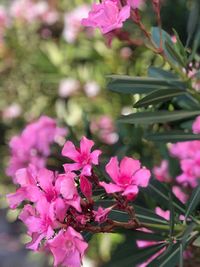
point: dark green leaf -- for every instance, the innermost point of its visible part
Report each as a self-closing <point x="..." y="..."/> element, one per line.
<point x="140" y="85"/>
<point x="193" y="20"/>
<point x="174" y="54"/>
<point x="161" y="74"/>
<point x="159" y="96"/>
<point x="157" y="116"/>
<point x="172" y="137"/>
<point x="160" y="192"/>
<point x="171" y="208"/>
<point x="148" y="216"/>
<point x="193" y="202"/>
<point x="168" y="258"/>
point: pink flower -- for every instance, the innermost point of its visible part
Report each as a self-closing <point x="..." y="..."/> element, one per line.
<point x="196" y="125"/>
<point x="72" y="23"/>
<point x="107" y="16"/>
<point x="28" y="190"/>
<point x="68" y="87"/>
<point x="179" y="194"/>
<point x="83" y="157"/>
<point x="162" y="172"/>
<point x="101" y="214"/>
<point x="33" y="146"/>
<point x="127" y="177"/>
<point x="105" y="129"/>
<point x="162" y="213"/>
<point x="40" y="222"/>
<point x="65" y="185"/>
<point x="68" y="248"/>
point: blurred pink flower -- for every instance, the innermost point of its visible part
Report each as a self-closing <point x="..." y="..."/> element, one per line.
<point x="91" y="89"/>
<point x="34" y="144"/>
<point x="162" y="172"/>
<point x="179" y="194"/>
<point x="107" y="16"/>
<point x="127" y="177"/>
<point x="83" y="157"/>
<point x="196" y="126"/>
<point x="72" y="23"/>
<point x="105" y="129"/>
<point x="68" y="87"/>
<point x="11" y="112"/>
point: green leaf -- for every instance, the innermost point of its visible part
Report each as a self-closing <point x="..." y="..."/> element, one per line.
<point x="161" y="74"/>
<point x="168" y="258"/>
<point x="171" y="221"/>
<point x="193" y="20"/>
<point x="157" y="116"/>
<point x="193" y="202"/>
<point x="172" y="137"/>
<point x="144" y="236"/>
<point x="148" y="216"/>
<point x="155" y="31"/>
<point x="160" y="193"/>
<point x="135" y="256"/>
<point x="87" y="236"/>
<point x="140" y="85"/>
<point x="174" y="54"/>
<point x="159" y="96"/>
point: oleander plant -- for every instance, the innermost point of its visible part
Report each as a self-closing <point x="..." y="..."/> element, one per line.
<point x="118" y="159"/>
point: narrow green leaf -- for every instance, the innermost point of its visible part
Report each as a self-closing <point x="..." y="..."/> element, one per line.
<point x="193" y="201"/>
<point x="171" y="208"/>
<point x="157" y="116"/>
<point x="174" y="54"/>
<point x="148" y="216"/>
<point x="141" y="85"/>
<point x="172" y="137"/>
<point x="159" y="96"/>
<point x="160" y="192"/>
<point x="168" y="258"/>
<point x="193" y="20"/>
<point x="160" y="73"/>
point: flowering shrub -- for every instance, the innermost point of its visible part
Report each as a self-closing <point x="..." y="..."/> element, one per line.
<point x="61" y="206"/>
<point x="108" y="190"/>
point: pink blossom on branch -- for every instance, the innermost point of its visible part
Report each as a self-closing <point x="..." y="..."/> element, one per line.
<point x="127" y="177"/>
<point x="83" y="157"/>
<point x="107" y="16"/>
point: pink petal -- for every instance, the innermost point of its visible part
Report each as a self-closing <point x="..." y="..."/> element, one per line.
<point x="86" y="187"/>
<point x="112" y="168"/>
<point x="95" y="156"/>
<point x="87" y="170"/>
<point x="131" y="192"/>
<point x="68" y="167"/>
<point x="141" y="177"/>
<point x="111" y="188"/>
<point x="129" y="166"/>
<point x="69" y="151"/>
<point x="86" y="145"/>
<point x="45" y="179"/>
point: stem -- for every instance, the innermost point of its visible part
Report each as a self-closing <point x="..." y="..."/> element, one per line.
<point x="177" y="228"/>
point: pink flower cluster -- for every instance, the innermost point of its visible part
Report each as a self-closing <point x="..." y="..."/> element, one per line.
<point x="33" y="145"/>
<point x="110" y="15"/>
<point x="59" y="206"/>
<point x="31" y="11"/>
<point x="189" y="155"/>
